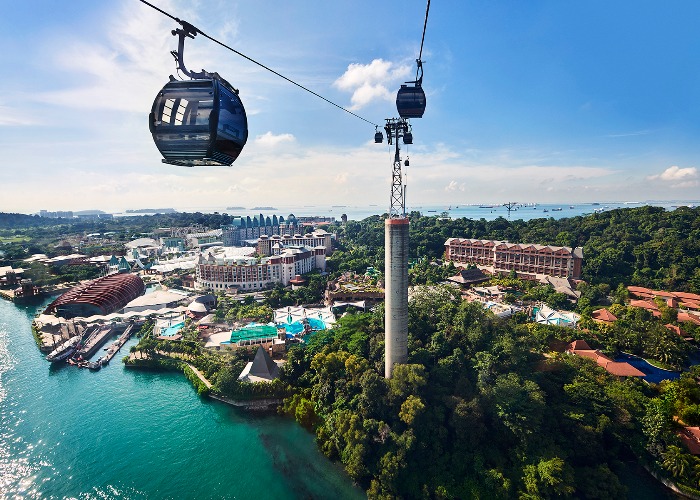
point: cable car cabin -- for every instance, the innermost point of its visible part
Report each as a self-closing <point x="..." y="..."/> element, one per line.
<point x="198" y="123"/>
<point x="410" y="101"/>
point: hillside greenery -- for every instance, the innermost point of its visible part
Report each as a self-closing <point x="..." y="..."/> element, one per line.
<point x="478" y="412"/>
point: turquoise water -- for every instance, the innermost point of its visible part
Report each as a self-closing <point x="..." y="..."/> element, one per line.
<point x="117" y="433"/>
<point x="298" y="327"/>
<point x="173" y="329"/>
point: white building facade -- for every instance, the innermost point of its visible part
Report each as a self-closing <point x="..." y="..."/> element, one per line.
<point x="250" y="274"/>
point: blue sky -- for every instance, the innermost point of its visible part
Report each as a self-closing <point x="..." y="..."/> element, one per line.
<point x="545" y="101"/>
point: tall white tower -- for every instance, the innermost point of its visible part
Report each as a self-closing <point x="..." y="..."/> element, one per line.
<point x="396" y="257"/>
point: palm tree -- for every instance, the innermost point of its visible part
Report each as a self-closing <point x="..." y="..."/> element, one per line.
<point x="676" y="461"/>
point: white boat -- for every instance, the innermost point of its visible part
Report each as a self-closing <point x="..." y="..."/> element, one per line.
<point x="64" y="350"/>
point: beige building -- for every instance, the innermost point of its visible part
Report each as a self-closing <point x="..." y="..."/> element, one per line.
<point x="528" y="260"/>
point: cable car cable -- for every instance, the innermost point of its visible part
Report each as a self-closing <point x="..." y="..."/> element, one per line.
<point x="425" y="24"/>
<point x="197" y="30"/>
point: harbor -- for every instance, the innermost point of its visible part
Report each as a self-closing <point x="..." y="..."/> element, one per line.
<point x="83" y="342"/>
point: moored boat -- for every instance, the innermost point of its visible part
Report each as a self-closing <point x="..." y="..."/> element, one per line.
<point x="64" y="350"/>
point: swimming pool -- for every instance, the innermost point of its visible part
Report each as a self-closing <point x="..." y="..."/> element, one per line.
<point x="172" y="329"/>
<point x="651" y="373"/>
<point x="297" y="327"/>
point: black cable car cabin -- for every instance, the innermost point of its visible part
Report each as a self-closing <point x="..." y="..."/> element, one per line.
<point x="199" y="122"/>
<point x="410" y="101"/>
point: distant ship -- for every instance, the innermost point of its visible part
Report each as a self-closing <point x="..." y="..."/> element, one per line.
<point x="264" y="208"/>
<point x="486" y="206"/>
<point x="64" y="350"/>
<point x="571" y="206"/>
<point x="235" y="208"/>
<point x="556" y="210"/>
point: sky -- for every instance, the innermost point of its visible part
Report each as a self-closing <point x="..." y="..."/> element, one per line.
<point x="538" y="101"/>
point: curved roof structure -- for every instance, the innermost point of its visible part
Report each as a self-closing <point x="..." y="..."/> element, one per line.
<point x="98" y="297"/>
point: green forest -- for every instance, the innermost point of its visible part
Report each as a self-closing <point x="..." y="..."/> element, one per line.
<point x="644" y="246"/>
<point x="478" y="412"/>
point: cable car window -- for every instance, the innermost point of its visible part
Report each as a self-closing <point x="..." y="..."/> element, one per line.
<point x="186" y="107"/>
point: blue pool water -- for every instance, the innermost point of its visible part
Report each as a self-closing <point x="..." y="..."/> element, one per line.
<point x="298" y="326"/>
<point x="172" y="329"/>
<point x="652" y="373"/>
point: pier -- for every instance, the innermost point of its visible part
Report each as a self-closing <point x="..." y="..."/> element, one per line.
<point x="114" y="348"/>
<point x="94" y="341"/>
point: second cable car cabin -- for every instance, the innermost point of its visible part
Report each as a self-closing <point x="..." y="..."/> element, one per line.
<point x="199" y="123"/>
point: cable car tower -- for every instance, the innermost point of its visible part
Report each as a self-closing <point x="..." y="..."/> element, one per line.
<point x="410" y="103"/>
<point x="396" y="253"/>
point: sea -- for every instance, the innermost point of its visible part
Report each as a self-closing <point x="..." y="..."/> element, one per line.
<point x="524" y="211"/>
<point x="121" y="433"/>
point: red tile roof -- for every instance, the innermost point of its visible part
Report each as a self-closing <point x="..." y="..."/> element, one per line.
<point x="603" y="315"/>
<point x="691" y="304"/>
<point x="622" y="369"/>
<point x="684" y="316"/>
<point x="690" y="437"/>
<point x="675" y="329"/>
<point x="646" y="304"/>
<point x="619" y="369"/>
<point x="687" y="296"/>
<point x="639" y="289"/>
<point x="579" y="345"/>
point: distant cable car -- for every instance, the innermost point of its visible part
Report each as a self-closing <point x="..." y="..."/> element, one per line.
<point x="410" y="100"/>
<point x="378" y="136"/>
<point x="407" y="138"/>
<point x="198" y="122"/>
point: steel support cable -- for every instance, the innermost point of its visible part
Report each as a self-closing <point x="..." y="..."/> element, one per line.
<point x="425" y="24"/>
<point x="258" y="63"/>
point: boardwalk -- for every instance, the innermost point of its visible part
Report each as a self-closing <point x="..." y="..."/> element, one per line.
<point x="200" y="375"/>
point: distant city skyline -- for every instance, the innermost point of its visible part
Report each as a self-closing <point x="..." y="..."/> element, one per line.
<point x="542" y="102"/>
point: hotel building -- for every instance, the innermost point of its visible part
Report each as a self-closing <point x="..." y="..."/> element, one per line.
<point x="274" y="245"/>
<point x="249" y="274"/>
<point x="245" y="228"/>
<point x="528" y="260"/>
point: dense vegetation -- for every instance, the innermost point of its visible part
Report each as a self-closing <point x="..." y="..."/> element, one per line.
<point x="478" y="412"/>
<point x="645" y="246"/>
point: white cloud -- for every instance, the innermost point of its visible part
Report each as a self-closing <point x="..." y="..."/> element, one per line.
<point x="455" y="186"/>
<point x="268" y="139"/>
<point x="369" y="82"/>
<point x="12" y="117"/>
<point x="680" y="178"/>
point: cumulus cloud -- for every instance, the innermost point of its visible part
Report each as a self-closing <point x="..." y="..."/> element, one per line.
<point x="369" y="82"/>
<point x="679" y="177"/>
<point x="268" y="139"/>
<point x="455" y="186"/>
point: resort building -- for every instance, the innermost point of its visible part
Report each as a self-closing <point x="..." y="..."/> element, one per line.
<point x="529" y="261"/>
<point x="353" y="288"/>
<point x="245" y="228"/>
<point x="690" y="301"/>
<point x="217" y="272"/>
<point x="10" y="276"/>
<point x="603" y="316"/>
<point x="617" y="368"/>
<point x="205" y="239"/>
<point x="545" y="315"/>
<point x="155" y="301"/>
<point x="273" y="245"/>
